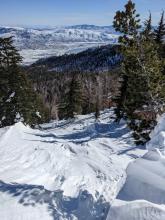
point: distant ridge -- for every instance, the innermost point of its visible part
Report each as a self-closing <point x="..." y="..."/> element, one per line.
<point x="36" y="43"/>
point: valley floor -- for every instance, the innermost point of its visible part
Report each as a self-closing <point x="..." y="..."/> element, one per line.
<point x="77" y="170"/>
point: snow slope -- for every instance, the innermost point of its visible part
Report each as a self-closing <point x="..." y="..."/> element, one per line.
<point x="68" y="170"/>
<point x="143" y="195"/>
<point x="39" y="43"/>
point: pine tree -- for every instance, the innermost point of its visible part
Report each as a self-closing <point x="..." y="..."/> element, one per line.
<point x="147" y="32"/>
<point x="72" y="102"/>
<point x="160" y="31"/>
<point x="142" y="85"/>
<point x="120" y="97"/>
<point x="145" y="91"/>
<point x="127" y="21"/>
<point x="18" y="101"/>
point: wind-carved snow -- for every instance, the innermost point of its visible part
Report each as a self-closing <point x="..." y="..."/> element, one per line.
<point x="143" y="195"/>
<point x="41" y="43"/>
<point x="68" y="170"/>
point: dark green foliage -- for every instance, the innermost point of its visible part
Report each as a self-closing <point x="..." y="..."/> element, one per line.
<point x="147" y="32"/>
<point x="145" y="86"/>
<point x="18" y="102"/>
<point x="142" y="92"/>
<point x="160" y="31"/>
<point x="72" y="101"/>
<point x="127" y="21"/>
<point x="98" y="59"/>
<point x="120" y="97"/>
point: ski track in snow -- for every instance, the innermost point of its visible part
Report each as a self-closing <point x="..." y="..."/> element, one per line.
<point x="67" y="170"/>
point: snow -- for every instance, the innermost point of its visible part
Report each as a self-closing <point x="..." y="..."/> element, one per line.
<point x="32" y="55"/>
<point x="81" y="169"/>
<point x="143" y="194"/>
<point x="69" y="170"/>
<point x="158" y="135"/>
<point x="136" y="210"/>
<point x="10" y="97"/>
<point x="38" y="114"/>
<point x="35" y="43"/>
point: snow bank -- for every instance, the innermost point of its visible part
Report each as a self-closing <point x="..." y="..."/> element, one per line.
<point x="136" y="210"/>
<point x="145" y="181"/>
<point x="158" y="136"/>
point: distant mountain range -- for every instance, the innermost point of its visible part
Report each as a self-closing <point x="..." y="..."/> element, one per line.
<point x="36" y="43"/>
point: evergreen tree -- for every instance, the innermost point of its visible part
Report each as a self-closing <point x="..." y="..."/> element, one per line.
<point x="147" y="32"/>
<point x="160" y="31"/>
<point x="144" y="91"/>
<point x="18" y="101"/>
<point x="72" y="102"/>
<point x="127" y="21"/>
<point x="142" y="85"/>
<point x="120" y="97"/>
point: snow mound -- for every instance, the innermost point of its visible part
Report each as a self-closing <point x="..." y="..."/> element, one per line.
<point x="145" y="181"/>
<point x="136" y="210"/>
<point x="158" y="136"/>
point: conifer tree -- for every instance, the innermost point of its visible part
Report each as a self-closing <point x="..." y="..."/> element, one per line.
<point x="160" y="31"/>
<point x="18" y="101"/>
<point x="120" y="97"/>
<point x="127" y="22"/>
<point x="72" y="102"/>
<point x="145" y="85"/>
<point x="142" y="85"/>
<point x="147" y="32"/>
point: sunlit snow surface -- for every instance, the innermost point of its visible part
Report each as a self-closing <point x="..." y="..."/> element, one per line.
<point x="68" y="170"/>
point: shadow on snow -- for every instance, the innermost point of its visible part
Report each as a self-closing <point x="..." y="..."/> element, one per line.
<point x="84" y="207"/>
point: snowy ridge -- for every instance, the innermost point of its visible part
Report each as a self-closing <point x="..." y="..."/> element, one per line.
<point x="68" y="170"/>
<point x="40" y="43"/>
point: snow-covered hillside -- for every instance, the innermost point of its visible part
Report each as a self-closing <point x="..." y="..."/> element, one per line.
<point x="66" y="170"/>
<point x="40" y="43"/>
<point x="81" y="170"/>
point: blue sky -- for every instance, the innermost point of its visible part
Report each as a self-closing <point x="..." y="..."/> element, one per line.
<point x="68" y="12"/>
